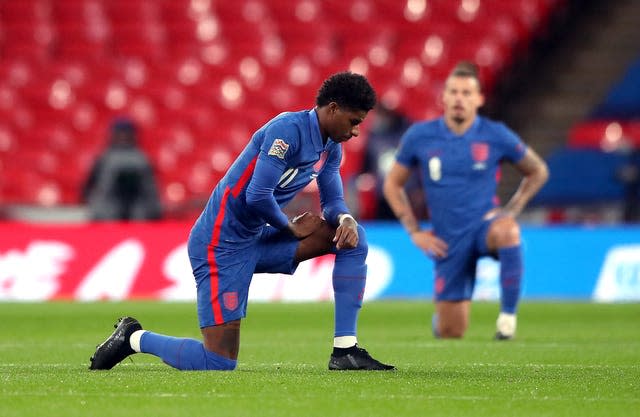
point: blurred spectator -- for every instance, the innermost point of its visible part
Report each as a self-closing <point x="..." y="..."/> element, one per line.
<point x="121" y="184"/>
<point x="629" y="174"/>
<point x="384" y="136"/>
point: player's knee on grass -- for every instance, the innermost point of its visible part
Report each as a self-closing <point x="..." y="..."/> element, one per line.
<point x="192" y="356"/>
<point x="451" y="331"/>
<point x="215" y="362"/>
<point x="452" y="319"/>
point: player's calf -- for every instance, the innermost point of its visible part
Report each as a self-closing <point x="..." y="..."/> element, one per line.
<point x="452" y="319"/>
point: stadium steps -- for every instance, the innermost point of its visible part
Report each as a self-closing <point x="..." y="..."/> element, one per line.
<point x="574" y="77"/>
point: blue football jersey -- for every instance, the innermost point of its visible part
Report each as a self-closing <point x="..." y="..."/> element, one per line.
<point x="459" y="172"/>
<point x="281" y="158"/>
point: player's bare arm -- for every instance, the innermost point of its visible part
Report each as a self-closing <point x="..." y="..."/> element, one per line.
<point x="535" y="173"/>
<point x="304" y="224"/>
<point x="397" y="199"/>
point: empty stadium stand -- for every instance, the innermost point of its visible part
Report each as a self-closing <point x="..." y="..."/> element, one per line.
<point x="199" y="76"/>
<point x="600" y="162"/>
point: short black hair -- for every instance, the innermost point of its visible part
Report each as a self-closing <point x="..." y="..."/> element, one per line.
<point x="123" y="124"/>
<point x="466" y="69"/>
<point x="348" y="90"/>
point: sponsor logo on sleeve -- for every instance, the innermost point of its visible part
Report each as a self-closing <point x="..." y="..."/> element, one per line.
<point x="279" y="148"/>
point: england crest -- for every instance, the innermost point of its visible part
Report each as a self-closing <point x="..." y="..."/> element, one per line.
<point x="230" y="300"/>
<point x="480" y="154"/>
<point x="479" y="151"/>
<point x="279" y="148"/>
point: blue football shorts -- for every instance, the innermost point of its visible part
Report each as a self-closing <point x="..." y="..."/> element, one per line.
<point x="223" y="274"/>
<point x="455" y="275"/>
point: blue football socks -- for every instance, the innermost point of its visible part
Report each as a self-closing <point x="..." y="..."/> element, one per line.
<point x="348" y="292"/>
<point x="184" y="354"/>
<point x="349" y="279"/>
<point x="510" y="278"/>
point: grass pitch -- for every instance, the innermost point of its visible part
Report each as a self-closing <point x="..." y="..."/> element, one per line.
<point x="572" y="359"/>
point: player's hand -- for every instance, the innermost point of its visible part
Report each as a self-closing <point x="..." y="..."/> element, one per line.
<point x="431" y="244"/>
<point x="347" y="234"/>
<point x="304" y="224"/>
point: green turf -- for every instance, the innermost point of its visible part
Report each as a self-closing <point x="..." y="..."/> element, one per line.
<point x="570" y="359"/>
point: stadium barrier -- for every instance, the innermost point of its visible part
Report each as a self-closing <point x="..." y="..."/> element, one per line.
<point x="117" y="261"/>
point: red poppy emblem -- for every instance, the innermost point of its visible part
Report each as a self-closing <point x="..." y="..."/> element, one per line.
<point x="230" y="300"/>
<point x="439" y="285"/>
<point x="318" y="165"/>
<point x="479" y="151"/>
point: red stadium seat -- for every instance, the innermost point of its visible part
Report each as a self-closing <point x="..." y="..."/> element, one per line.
<point x="19" y="71"/>
<point x="608" y="135"/>
<point x="308" y="12"/>
<point x="218" y="70"/>
<point x="8" y="140"/>
<point x="176" y="11"/>
<point x="170" y="96"/>
<point x="9" y="97"/>
<point x="34" y="40"/>
<point x="82" y="41"/>
<point x="354" y="12"/>
<point x="133" y="39"/>
<point x="244" y="13"/>
<point x="24" y="11"/>
<point x="532" y="13"/>
<point x="131" y="12"/>
<point x="71" y="12"/>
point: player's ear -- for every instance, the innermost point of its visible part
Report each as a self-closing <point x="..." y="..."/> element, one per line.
<point x="481" y="100"/>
